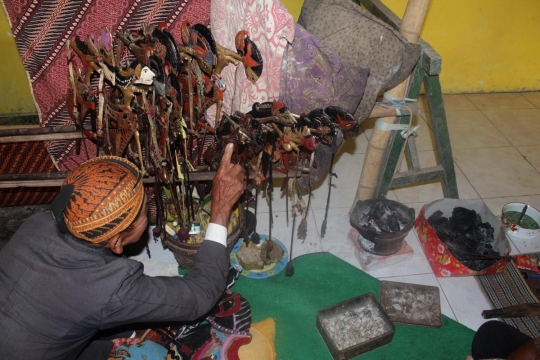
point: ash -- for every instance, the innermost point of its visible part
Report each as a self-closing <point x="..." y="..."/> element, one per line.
<point x="383" y="217"/>
<point x="417" y="307"/>
<point x="354" y="327"/>
<point x="465" y="234"/>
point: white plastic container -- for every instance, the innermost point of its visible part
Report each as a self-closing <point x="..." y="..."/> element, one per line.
<point x="520" y="231"/>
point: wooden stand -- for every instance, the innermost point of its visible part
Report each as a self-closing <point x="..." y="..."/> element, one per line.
<point x="426" y="72"/>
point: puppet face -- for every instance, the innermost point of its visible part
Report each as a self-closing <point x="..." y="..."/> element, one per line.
<point x="146" y="76"/>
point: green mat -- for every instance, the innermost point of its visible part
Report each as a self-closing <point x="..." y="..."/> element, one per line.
<point x="322" y="280"/>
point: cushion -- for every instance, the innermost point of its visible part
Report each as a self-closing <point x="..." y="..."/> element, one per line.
<point x="360" y="39"/>
<point x="261" y="346"/>
<point x="312" y="76"/>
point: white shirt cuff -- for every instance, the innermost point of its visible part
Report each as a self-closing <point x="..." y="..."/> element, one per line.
<point x="217" y="233"/>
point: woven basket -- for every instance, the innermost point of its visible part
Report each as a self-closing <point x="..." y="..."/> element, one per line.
<point x="185" y="253"/>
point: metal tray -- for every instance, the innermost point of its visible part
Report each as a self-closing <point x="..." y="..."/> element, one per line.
<point x="411" y="303"/>
<point x="354" y="305"/>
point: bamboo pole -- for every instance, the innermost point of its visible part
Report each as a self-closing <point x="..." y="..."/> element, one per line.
<point x="411" y="25"/>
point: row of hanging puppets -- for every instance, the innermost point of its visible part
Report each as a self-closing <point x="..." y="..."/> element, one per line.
<point x="146" y="97"/>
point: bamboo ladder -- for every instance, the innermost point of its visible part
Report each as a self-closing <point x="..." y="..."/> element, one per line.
<point x="379" y="169"/>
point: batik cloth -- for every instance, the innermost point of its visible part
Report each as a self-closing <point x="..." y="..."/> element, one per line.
<point x="217" y="337"/>
<point x="107" y="195"/>
<point x="133" y="350"/>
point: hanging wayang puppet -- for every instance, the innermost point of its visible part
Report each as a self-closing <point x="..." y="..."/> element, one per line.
<point x="144" y="95"/>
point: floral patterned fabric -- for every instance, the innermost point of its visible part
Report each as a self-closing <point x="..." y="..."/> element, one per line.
<point x="313" y="76"/>
<point x="271" y="27"/>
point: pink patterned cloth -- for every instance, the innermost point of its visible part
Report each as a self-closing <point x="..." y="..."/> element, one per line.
<point x="271" y="27"/>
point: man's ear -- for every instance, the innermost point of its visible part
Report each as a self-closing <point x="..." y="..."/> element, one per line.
<point x="115" y="244"/>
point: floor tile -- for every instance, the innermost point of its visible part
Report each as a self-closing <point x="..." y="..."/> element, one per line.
<point x="341" y="242"/>
<point x="431" y="191"/>
<point x="466" y="298"/>
<point x="278" y="198"/>
<point x="336" y="239"/>
<point x="496" y="204"/>
<point x="533" y="97"/>
<point x="520" y="126"/>
<point x="531" y="154"/>
<point x="429" y="280"/>
<point x="417" y="206"/>
<point x="457" y="102"/>
<point x="452" y="102"/>
<point x="498" y="172"/>
<point x="348" y="169"/>
<point x="499" y="101"/>
<point x="472" y="130"/>
<point x="157" y="252"/>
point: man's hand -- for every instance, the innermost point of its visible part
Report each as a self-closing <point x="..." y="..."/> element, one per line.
<point x="229" y="183"/>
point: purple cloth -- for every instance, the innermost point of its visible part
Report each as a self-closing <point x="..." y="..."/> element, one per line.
<point x="312" y="76"/>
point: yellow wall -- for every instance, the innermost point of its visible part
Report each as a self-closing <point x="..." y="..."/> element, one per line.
<point x="486" y="45"/>
<point x="15" y="97"/>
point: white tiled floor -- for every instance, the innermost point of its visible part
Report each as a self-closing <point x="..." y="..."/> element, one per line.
<point x="495" y="142"/>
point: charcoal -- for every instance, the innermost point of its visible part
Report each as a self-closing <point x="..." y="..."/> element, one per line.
<point x="384" y="217"/>
<point x="463" y="220"/>
<point x="464" y="234"/>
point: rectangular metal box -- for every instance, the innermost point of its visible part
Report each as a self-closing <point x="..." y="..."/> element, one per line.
<point x="353" y="304"/>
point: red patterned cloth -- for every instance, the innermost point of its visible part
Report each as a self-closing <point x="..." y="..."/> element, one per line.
<point x="26" y="157"/>
<point x="41" y="29"/>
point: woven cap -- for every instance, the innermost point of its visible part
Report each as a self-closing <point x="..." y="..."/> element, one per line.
<point x="103" y="197"/>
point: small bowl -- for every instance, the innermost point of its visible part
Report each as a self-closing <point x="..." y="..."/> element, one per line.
<point x="510" y="216"/>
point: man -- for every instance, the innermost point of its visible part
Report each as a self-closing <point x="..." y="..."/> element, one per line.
<point x="62" y="278"/>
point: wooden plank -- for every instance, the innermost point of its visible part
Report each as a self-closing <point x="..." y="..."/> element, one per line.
<point x="57" y="178"/>
<point x="38" y="130"/>
<point x="413" y="177"/>
<point x="441" y="135"/>
<point x="395" y="145"/>
<point x="40" y="134"/>
<point x="432" y="61"/>
<point x="41" y="137"/>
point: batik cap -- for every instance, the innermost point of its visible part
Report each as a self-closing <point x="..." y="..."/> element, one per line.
<point x="99" y="199"/>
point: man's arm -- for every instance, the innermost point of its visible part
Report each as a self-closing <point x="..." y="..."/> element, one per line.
<point x="182" y="299"/>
